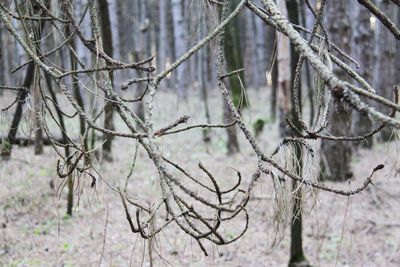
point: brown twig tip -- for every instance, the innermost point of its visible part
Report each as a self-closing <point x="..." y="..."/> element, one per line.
<point x="379" y="167"/>
<point x="184" y="119"/>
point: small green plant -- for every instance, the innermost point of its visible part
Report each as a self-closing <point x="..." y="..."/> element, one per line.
<point x="258" y="126"/>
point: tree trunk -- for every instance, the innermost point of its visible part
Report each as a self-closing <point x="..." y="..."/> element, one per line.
<point x="37" y="98"/>
<point x="232" y="143"/>
<point x="234" y="60"/>
<point x="85" y="27"/>
<point x="114" y="26"/>
<point x="124" y="23"/>
<point x="75" y="85"/>
<point x="180" y="46"/>
<point x="202" y="71"/>
<point x="142" y="45"/>
<point x="336" y="155"/>
<point x="29" y="75"/>
<point x="6" y="49"/>
<point x="398" y="52"/>
<point x="249" y="48"/>
<point x="2" y="48"/>
<point x="306" y="70"/>
<point x="385" y="51"/>
<point x="204" y="93"/>
<point x="171" y="43"/>
<point x="272" y="67"/>
<point x="64" y="140"/>
<point x="363" y="46"/>
<point x="108" y="49"/>
<point x="262" y="55"/>
<point x="163" y="39"/>
<point x="284" y="85"/>
<point x="297" y="257"/>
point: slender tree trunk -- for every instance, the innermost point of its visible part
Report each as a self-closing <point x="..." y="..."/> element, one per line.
<point x="190" y="24"/>
<point x="284" y="75"/>
<point x="297" y="257"/>
<point x="307" y="71"/>
<point x="124" y="22"/>
<point x="273" y="69"/>
<point x="385" y="51"/>
<point x="202" y="71"/>
<point x="37" y="98"/>
<point x="2" y="48"/>
<point x="335" y="155"/>
<point x="232" y="143"/>
<point x="6" y="148"/>
<point x="5" y="49"/>
<point x="114" y="25"/>
<point x="75" y="84"/>
<point x="262" y="55"/>
<point x="274" y="88"/>
<point x="142" y="43"/>
<point x="86" y="29"/>
<point x="180" y="46"/>
<point x="364" y="50"/>
<point x="64" y="140"/>
<point x="234" y="59"/>
<point x="171" y="41"/>
<point x="36" y="29"/>
<point x="204" y="94"/>
<point x="249" y="49"/>
<point x="108" y="49"/>
<point x="163" y="39"/>
<point x="398" y="52"/>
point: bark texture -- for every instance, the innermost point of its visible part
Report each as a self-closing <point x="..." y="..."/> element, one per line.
<point x="335" y="155"/>
<point x="234" y="60"/>
<point x="363" y="52"/>
<point x="284" y="85"/>
<point x="297" y="257"/>
<point x="180" y="46"/>
<point x="108" y="49"/>
<point x="385" y="52"/>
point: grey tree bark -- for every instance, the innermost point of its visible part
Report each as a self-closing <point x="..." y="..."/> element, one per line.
<point x="113" y="7"/>
<point x="180" y="46"/>
<point x="297" y="257"/>
<point x="384" y="71"/>
<point x="85" y="28"/>
<point x="37" y="98"/>
<point x="108" y="49"/>
<point x="142" y="43"/>
<point x="283" y="78"/>
<point x="398" y="52"/>
<point x="249" y="49"/>
<point x="363" y="52"/>
<point x="2" y="59"/>
<point x="201" y="67"/>
<point x="163" y="40"/>
<point x="335" y="155"/>
<point x="234" y="60"/>
<point x="274" y="88"/>
<point x="306" y="70"/>
<point x="262" y="54"/>
<point x="124" y="21"/>
<point x="75" y="83"/>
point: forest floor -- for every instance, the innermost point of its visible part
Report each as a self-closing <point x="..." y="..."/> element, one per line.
<point x="363" y="230"/>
